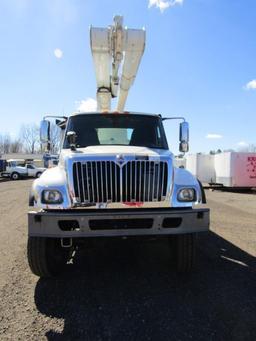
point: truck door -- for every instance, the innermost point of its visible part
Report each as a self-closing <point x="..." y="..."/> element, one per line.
<point x="31" y="170"/>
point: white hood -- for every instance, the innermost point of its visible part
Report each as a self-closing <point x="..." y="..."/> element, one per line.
<point x="112" y="151"/>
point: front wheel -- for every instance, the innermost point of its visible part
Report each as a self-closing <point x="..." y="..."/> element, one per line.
<point x="15" y="176"/>
<point x="38" y="174"/>
<point x="46" y="257"/>
<point x="184" y="251"/>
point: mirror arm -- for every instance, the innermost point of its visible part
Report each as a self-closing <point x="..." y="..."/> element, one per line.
<point x="55" y="116"/>
<point x="174" y="118"/>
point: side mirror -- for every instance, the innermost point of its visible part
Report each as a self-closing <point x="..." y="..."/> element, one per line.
<point x="184" y="137"/>
<point x="71" y="137"/>
<point x="45" y="131"/>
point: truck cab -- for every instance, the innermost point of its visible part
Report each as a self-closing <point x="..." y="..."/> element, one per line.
<point x="115" y="178"/>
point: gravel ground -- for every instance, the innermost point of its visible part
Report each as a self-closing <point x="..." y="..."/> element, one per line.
<point x="129" y="291"/>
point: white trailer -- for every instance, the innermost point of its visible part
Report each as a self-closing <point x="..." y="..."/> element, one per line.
<point x="236" y="169"/>
<point x="180" y="162"/>
<point x="202" y="167"/>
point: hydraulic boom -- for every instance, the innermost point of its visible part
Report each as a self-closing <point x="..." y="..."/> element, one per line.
<point x="113" y="48"/>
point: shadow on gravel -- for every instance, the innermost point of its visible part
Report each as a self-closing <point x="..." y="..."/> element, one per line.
<point x="4" y="180"/>
<point x="233" y="190"/>
<point x="129" y="291"/>
<point x="17" y="181"/>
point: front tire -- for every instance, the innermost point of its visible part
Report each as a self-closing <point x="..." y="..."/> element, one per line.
<point x="15" y="176"/>
<point x="38" y="174"/>
<point x="46" y="257"/>
<point x="31" y="200"/>
<point x="184" y="251"/>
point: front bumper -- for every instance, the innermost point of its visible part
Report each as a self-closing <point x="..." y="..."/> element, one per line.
<point x="117" y="222"/>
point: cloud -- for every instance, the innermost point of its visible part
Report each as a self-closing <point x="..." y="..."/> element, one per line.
<point x="58" y="53"/>
<point x="251" y="85"/>
<point x="164" y="4"/>
<point x="87" y="105"/>
<point x="243" y="144"/>
<point x="213" y="136"/>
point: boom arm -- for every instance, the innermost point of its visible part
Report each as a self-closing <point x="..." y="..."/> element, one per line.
<point x="111" y="47"/>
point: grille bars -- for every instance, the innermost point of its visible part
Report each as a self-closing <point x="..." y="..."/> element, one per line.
<point x="106" y="181"/>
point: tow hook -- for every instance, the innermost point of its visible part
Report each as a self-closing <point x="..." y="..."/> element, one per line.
<point x="66" y="242"/>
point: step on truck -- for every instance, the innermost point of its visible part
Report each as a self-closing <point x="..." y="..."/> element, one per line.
<point x="116" y="175"/>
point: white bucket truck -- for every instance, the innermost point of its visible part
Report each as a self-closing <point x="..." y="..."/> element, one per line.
<point x="116" y="174"/>
<point x="16" y="169"/>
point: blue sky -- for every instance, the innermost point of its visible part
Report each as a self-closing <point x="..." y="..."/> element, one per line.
<point x="199" y="63"/>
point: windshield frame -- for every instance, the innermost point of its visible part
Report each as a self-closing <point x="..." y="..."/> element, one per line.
<point x="158" y="118"/>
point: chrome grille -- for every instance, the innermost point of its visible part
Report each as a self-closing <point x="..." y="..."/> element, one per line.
<point x="106" y="181"/>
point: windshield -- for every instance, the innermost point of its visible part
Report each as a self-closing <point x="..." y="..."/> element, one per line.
<point x="117" y="129"/>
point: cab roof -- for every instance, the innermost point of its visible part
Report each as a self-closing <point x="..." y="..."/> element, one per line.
<point x="116" y="112"/>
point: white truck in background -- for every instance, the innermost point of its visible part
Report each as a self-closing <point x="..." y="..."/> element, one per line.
<point x="16" y="169"/>
<point x="116" y="175"/>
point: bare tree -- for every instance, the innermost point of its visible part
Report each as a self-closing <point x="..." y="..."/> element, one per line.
<point x="5" y="143"/>
<point x="29" y="135"/>
<point x="15" y="146"/>
<point x="213" y="152"/>
<point x="251" y="148"/>
<point x="1" y="144"/>
<point x="9" y="145"/>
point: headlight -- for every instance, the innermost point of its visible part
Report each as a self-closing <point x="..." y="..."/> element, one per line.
<point x="51" y="197"/>
<point x="187" y="194"/>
